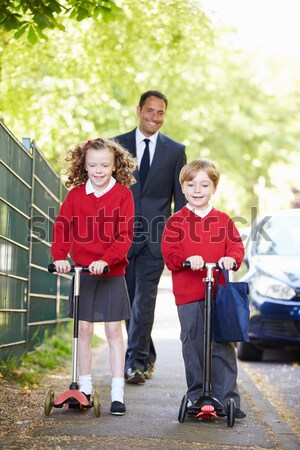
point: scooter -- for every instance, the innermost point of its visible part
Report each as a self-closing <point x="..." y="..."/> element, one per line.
<point x="207" y="405"/>
<point x="73" y="398"/>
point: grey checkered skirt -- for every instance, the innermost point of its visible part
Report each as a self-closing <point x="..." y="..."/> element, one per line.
<point x="101" y="299"/>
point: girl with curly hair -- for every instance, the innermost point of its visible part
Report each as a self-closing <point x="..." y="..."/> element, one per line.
<point x="94" y="227"/>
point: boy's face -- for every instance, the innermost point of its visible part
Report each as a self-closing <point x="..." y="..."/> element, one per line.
<point x="199" y="190"/>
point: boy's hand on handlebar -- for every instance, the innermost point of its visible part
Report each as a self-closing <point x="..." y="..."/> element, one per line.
<point x="97" y="267"/>
<point x="62" y="266"/>
<point x="196" y="262"/>
<point x="227" y="262"/>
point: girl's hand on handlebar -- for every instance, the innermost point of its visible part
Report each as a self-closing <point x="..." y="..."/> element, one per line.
<point x="97" y="267"/>
<point x="227" y="262"/>
<point x="196" y="262"/>
<point x="62" y="266"/>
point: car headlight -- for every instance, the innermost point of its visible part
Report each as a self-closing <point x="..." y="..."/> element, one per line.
<point x="269" y="287"/>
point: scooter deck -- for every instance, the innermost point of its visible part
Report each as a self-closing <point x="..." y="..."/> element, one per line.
<point x="71" y="396"/>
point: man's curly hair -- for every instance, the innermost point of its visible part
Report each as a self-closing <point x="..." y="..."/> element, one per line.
<point x="125" y="163"/>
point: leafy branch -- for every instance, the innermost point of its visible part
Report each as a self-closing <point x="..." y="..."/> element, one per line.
<point x="35" y="16"/>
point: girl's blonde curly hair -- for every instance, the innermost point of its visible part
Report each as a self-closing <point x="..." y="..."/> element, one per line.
<point x="125" y="163"/>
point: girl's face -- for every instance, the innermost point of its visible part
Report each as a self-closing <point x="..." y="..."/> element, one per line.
<point x="199" y="190"/>
<point x="100" y="165"/>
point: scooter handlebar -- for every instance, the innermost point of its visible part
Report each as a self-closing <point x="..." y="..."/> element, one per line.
<point x="52" y="269"/>
<point x="187" y="265"/>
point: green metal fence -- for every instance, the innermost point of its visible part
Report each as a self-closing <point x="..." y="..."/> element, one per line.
<point x="31" y="299"/>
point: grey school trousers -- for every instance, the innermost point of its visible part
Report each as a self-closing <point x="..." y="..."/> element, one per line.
<point x="224" y="363"/>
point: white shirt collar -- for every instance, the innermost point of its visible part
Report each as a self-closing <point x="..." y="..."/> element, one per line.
<point x="140" y="137"/>
<point x="199" y="212"/>
<point x="89" y="188"/>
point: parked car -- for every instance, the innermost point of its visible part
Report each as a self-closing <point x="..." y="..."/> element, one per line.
<point x="272" y="269"/>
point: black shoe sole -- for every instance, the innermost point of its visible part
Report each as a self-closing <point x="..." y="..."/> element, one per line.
<point x="238" y="417"/>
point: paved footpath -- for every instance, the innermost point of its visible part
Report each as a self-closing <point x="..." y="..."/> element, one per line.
<point x="152" y="409"/>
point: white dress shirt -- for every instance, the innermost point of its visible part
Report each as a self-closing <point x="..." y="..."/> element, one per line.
<point x="140" y="145"/>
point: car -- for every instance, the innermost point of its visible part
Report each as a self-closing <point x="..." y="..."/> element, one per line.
<point x="272" y="269"/>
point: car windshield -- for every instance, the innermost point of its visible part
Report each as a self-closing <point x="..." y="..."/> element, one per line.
<point x="280" y="236"/>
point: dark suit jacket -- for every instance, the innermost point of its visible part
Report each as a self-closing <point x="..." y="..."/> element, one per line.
<point x="153" y="203"/>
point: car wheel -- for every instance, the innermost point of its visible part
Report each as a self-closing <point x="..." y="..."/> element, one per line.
<point x="247" y="352"/>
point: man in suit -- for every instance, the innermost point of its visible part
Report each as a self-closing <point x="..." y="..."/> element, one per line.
<point x="160" y="160"/>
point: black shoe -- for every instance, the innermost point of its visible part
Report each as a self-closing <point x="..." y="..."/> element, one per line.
<point x="117" y="408"/>
<point x="149" y="369"/>
<point x="134" y="376"/>
<point x="239" y="414"/>
<point x="192" y="409"/>
<point x="221" y="412"/>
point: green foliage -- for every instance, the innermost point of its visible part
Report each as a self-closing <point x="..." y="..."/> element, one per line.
<point x="53" y="353"/>
<point x="85" y="82"/>
<point x="20" y="16"/>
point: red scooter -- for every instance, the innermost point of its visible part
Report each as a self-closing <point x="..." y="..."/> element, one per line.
<point x="73" y="398"/>
<point x="207" y="405"/>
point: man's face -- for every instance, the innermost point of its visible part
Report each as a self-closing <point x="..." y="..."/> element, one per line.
<point x="152" y="115"/>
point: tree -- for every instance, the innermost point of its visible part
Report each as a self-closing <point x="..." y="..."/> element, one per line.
<point x="20" y="16"/>
<point x="85" y="82"/>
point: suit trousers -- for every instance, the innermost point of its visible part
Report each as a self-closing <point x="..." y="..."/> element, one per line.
<point x="142" y="277"/>
<point x="224" y="362"/>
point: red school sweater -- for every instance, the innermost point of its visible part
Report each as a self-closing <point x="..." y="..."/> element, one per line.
<point x="211" y="237"/>
<point x="90" y="228"/>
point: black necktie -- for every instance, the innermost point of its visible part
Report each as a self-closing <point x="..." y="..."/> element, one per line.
<point x="145" y="163"/>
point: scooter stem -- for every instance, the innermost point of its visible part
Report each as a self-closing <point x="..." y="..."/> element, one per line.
<point x="208" y="329"/>
<point x="77" y="271"/>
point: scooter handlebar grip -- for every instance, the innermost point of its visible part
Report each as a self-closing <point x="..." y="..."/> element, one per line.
<point x="222" y="267"/>
<point x="86" y="269"/>
<point x="52" y="268"/>
<point x="106" y="270"/>
<point x="186" y="265"/>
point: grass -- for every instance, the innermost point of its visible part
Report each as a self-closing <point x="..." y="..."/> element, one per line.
<point x="54" y="353"/>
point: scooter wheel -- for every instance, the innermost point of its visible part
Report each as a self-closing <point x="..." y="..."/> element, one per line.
<point x="97" y="404"/>
<point x="230" y="412"/>
<point x="182" y="409"/>
<point x="48" y="406"/>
